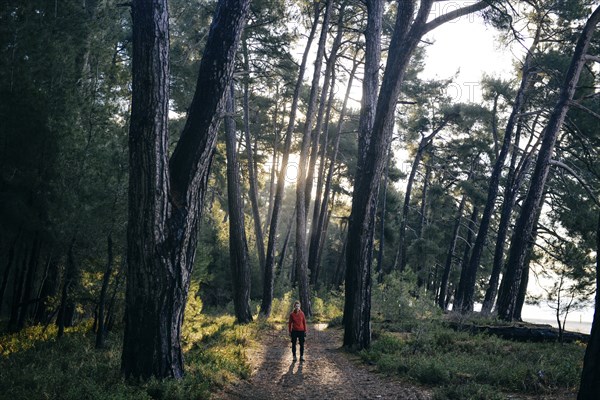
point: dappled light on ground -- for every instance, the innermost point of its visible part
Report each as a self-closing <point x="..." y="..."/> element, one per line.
<point x="327" y="372"/>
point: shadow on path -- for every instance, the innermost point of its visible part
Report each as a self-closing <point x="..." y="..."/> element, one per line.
<point x="327" y="373"/>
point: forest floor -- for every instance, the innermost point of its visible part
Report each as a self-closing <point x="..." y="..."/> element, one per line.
<point x="328" y="372"/>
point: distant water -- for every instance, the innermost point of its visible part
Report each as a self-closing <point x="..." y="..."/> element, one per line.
<point x="577" y="321"/>
<point x="572" y="326"/>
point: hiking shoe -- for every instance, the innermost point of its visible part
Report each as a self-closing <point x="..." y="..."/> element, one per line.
<point x="301" y="358"/>
<point x="294" y="358"/>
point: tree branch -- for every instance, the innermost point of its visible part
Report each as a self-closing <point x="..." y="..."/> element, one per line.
<point x="572" y="172"/>
<point x="454" y="14"/>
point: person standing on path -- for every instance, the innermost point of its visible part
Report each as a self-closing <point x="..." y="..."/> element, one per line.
<point x="297" y="329"/>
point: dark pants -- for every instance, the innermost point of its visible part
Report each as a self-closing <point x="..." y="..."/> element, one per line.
<point x="298" y="335"/>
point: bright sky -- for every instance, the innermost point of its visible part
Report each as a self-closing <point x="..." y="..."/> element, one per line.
<point x="469" y="47"/>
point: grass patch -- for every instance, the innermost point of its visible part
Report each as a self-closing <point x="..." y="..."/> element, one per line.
<point x="35" y="365"/>
<point x="465" y="366"/>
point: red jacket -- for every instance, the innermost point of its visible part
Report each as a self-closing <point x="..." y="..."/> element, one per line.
<point x="297" y="321"/>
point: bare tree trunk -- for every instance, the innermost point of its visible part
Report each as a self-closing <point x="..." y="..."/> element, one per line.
<point x="8" y="268"/>
<point x="423" y="145"/>
<point x="260" y="242"/>
<point x="422" y="276"/>
<point x="527" y="219"/>
<point x="382" y="218"/>
<point x="301" y="199"/>
<point x="66" y="308"/>
<point x="166" y="196"/>
<point x="589" y="386"/>
<point x="450" y="254"/>
<point x="101" y="329"/>
<point x="319" y="231"/>
<point x="238" y="248"/>
<point x="28" y="289"/>
<point x="460" y="289"/>
<point x="494" y="182"/>
<point x="327" y="97"/>
<point x="267" y="300"/>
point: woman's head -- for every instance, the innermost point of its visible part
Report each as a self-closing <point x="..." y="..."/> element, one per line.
<point x="296" y="305"/>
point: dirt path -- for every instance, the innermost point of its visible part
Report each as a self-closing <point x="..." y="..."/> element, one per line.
<point x="327" y="373"/>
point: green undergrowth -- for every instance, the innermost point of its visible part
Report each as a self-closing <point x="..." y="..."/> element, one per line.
<point x="36" y="365"/>
<point x="464" y="366"/>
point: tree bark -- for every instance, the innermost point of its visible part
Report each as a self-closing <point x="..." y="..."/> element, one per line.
<point x="260" y="241"/>
<point x="460" y="289"/>
<point x="166" y="196"/>
<point x="302" y="201"/>
<point x="494" y="183"/>
<point x="29" y="281"/>
<point x="526" y="222"/>
<point x="326" y="102"/>
<point x="375" y="130"/>
<point x="450" y="254"/>
<point x="589" y="386"/>
<point x="238" y="248"/>
<point x="319" y="231"/>
<point x="101" y="329"/>
<point x="267" y="300"/>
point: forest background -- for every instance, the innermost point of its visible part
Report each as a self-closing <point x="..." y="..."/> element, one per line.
<point x="441" y="229"/>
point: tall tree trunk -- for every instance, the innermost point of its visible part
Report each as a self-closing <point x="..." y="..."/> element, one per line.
<point x="508" y="202"/>
<point x="166" y="196"/>
<point x="101" y="330"/>
<point x="319" y="231"/>
<point x="28" y="289"/>
<point x="8" y="268"/>
<point x="382" y="218"/>
<point x="460" y="289"/>
<point x="260" y="242"/>
<point x="326" y="102"/>
<point x="526" y="222"/>
<point x="375" y="130"/>
<point x="589" y="386"/>
<point x="48" y="289"/>
<point x="450" y="254"/>
<point x="422" y="276"/>
<point x="18" y="283"/>
<point x="66" y="309"/>
<point x="423" y="145"/>
<point x="494" y="183"/>
<point x="238" y="248"/>
<point x="267" y="299"/>
<point x="340" y="269"/>
<point x="302" y="200"/>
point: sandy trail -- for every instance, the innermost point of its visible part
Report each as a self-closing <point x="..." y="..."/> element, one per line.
<point x="327" y="373"/>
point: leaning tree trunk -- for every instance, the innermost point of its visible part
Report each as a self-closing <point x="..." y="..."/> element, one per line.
<point x="460" y="289"/>
<point x="319" y="230"/>
<point x="238" y="248"/>
<point x="529" y="211"/>
<point x="166" y="196"/>
<point x="589" y="386"/>
<point x="494" y="183"/>
<point x="268" y="282"/>
<point x="260" y="242"/>
<point x="508" y="202"/>
<point x="302" y="200"/>
<point x="423" y="145"/>
<point x="375" y="130"/>
<point x="450" y="255"/>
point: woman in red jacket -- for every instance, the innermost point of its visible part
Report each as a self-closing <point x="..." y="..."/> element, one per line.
<point x="297" y="329"/>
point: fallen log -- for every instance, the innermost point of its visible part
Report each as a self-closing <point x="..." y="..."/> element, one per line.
<point x="523" y="333"/>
